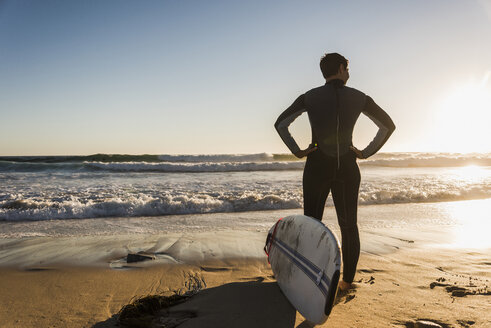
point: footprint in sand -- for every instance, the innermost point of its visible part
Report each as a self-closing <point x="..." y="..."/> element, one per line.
<point x="345" y="296"/>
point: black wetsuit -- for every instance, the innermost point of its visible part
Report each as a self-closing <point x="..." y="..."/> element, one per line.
<point x="333" y="110"/>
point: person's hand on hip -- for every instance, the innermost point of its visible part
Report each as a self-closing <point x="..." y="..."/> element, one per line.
<point x="303" y="153"/>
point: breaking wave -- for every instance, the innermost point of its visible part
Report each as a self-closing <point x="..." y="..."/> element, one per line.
<point x="128" y="205"/>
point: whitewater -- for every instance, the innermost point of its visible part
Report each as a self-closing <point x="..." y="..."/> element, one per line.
<point x="104" y="185"/>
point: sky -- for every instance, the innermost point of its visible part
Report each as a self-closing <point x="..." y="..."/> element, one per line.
<point x="210" y="77"/>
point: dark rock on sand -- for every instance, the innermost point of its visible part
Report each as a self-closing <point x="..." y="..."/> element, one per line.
<point x="466" y="323"/>
<point x="439" y="284"/>
<point x="139" y="257"/>
<point x="458" y="291"/>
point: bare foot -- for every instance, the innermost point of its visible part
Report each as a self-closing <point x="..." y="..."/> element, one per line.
<point x="346" y="292"/>
<point x="343" y="285"/>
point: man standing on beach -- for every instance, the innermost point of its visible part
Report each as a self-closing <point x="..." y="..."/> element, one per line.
<point x="331" y="157"/>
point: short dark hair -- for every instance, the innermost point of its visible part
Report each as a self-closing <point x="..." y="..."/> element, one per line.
<point x="330" y="64"/>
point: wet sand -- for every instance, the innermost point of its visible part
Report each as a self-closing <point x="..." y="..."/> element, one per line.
<point x="404" y="275"/>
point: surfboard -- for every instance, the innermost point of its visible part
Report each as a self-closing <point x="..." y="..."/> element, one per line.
<point x="305" y="259"/>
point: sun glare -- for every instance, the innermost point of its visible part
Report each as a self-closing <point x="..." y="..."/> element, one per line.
<point x="470" y="173"/>
<point x="462" y="118"/>
<point x="472" y="223"/>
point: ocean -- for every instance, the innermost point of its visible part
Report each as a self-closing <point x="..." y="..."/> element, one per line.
<point x="38" y="188"/>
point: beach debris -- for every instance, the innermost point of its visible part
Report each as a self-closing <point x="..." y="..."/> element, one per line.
<point x="153" y="310"/>
<point x="370" y="281"/>
<point x="139" y="257"/>
<point x="466" y="323"/>
<point x="426" y="324"/>
<point x="459" y="291"/>
<point x="439" y="284"/>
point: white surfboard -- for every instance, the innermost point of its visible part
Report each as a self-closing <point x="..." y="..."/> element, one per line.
<point x="305" y="258"/>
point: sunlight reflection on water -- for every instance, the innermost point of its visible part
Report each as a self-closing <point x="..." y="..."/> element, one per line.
<point x="473" y="225"/>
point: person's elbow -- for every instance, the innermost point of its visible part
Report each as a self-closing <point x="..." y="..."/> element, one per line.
<point x="277" y="125"/>
<point x="391" y="126"/>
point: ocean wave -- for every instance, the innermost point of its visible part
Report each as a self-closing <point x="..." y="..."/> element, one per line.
<point x="196" y="167"/>
<point x="428" y="160"/>
<point x="11" y="166"/>
<point x="238" y="166"/>
<point x="414" y="195"/>
<point x="75" y="159"/>
<point x="260" y="157"/>
<point x="141" y="205"/>
<point x="16" y="207"/>
<point x="117" y="158"/>
<point x="151" y="167"/>
<point x="224" y="162"/>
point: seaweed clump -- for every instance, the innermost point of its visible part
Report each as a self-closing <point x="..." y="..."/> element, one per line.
<point x="141" y="312"/>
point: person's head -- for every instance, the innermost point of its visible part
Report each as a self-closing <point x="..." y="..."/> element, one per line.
<point x="334" y="66"/>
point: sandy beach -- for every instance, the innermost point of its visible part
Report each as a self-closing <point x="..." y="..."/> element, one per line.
<point x="147" y="150"/>
<point x="404" y="275"/>
<point x="392" y="291"/>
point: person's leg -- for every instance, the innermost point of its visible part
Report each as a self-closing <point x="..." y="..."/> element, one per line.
<point x="316" y="185"/>
<point x="345" y="195"/>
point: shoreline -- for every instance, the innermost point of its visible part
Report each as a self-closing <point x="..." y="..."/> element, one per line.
<point x="247" y="220"/>
<point x="187" y="238"/>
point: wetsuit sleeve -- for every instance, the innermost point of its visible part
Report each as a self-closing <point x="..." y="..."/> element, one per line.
<point x="286" y="118"/>
<point x="384" y="123"/>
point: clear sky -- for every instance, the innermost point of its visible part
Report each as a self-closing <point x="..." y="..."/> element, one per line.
<point x="189" y="77"/>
